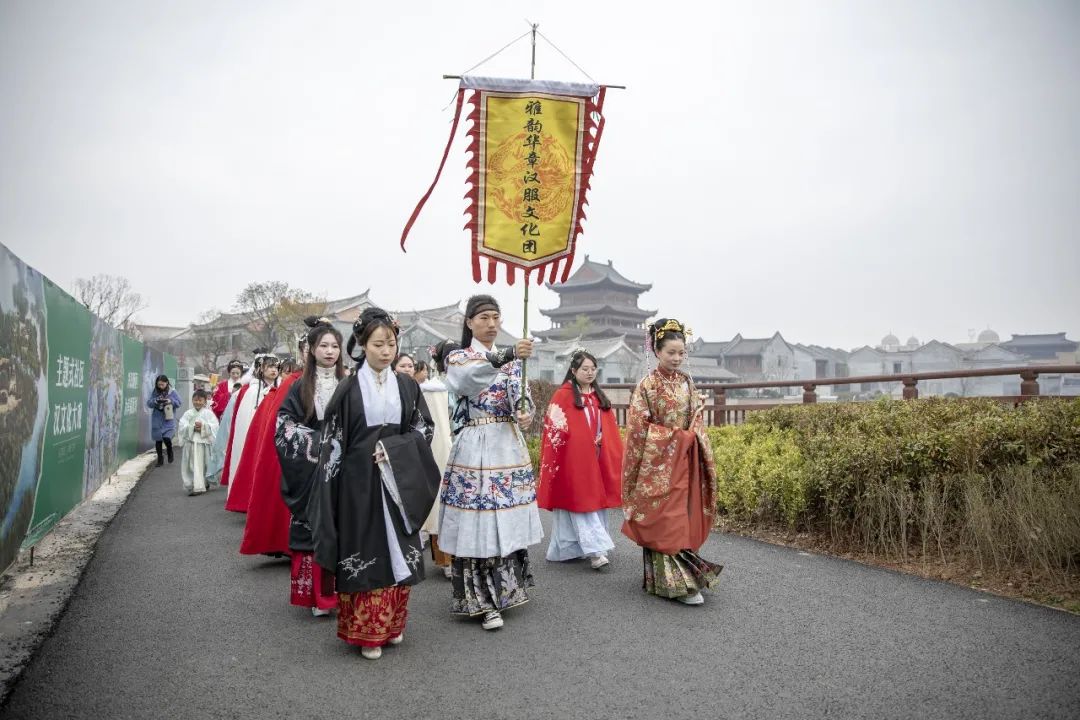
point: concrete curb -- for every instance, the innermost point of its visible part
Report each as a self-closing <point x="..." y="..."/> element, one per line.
<point x="32" y="598"/>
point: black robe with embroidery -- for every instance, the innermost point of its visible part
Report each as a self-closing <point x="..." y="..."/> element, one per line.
<point x="347" y="505"/>
<point x="298" y="447"/>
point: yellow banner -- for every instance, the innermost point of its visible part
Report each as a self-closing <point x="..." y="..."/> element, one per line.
<point x="530" y="180"/>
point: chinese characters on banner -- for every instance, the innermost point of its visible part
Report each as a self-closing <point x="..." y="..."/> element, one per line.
<point x="530" y="193"/>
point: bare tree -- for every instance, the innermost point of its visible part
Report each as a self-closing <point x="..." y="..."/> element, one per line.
<point x="211" y="344"/>
<point x="580" y="327"/>
<point x="277" y="310"/>
<point x="111" y="298"/>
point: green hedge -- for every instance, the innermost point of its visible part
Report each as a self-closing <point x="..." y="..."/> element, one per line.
<point x="939" y="474"/>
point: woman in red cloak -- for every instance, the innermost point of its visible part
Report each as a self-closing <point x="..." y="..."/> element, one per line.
<point x="225" y="389"/>
<point x="259" y="441"/>
<point x="266" y="530"/>
<point x="580" y="465"/>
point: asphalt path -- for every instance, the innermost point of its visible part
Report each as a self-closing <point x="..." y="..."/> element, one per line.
<point x="170" y="621"/>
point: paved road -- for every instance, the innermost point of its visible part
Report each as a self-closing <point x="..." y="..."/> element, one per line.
<point x="171" y="622"/>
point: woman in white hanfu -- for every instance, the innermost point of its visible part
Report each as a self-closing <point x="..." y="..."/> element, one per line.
<point x="489" y="515"/>
<point x="440" y="406"/>
<point x="247" y="402"/>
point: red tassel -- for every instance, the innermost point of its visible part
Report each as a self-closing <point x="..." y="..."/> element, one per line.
<point x="446" y="153"/>
<point x="552" y="269"/>
<point x="476" y="276"/>
<point x="493" y="267"/>
<point x="510" y="274"/>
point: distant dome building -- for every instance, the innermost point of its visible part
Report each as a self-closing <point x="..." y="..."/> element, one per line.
<point x="989" y="336"/>
<point x="913" y="343"/>
<point x="890" y="342"/>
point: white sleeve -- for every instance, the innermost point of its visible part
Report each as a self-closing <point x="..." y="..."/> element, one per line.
<point x="468" y="374"/>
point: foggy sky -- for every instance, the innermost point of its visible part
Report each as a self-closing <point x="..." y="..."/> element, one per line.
<point x="831" y="170"/>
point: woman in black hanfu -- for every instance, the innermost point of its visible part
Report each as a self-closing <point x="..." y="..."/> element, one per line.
<point x="377" y="481"/>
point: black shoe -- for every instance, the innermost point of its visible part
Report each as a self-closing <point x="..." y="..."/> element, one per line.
<point x="160" y="461"/>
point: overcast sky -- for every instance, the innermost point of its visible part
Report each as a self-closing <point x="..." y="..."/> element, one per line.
<point x="831" y="170"/>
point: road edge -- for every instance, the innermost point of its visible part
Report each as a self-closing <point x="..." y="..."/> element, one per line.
<point x="33" y="598"/>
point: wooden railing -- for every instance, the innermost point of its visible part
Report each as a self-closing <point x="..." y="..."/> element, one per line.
<point x="720" y="412"/>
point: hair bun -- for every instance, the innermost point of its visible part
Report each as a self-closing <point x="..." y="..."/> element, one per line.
<point x="375" y="315"/>
<point x="314" y="321"/>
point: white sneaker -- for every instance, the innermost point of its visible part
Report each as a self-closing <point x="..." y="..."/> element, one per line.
<point x="695" y="599"/>
<point x="371" y="653"/>
<point x="398" y="640"/>
<point x="492" y="621"/>
<point x="316" y="612"/>
<point x="599" y="561"/>
<point x="448" y="572"/>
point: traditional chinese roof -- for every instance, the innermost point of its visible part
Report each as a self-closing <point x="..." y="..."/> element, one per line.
<point x="444" y="330"/>
<point x="594" y="274"/>
<point x="707" y="369"/>
<point x="705" y="349"/>
<point x="334" y="307"/>
<point x="1042" y="346"/>
<point x="599" y="347"/>
<point x="598" y="309"/>
<point x="445" y="312"/>
<point x="750" y="346"/>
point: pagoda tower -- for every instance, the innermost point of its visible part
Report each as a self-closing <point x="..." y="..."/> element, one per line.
<point x="605" y="298"/>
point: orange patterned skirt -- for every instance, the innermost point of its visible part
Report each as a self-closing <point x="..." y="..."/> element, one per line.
<point x="373" y="618"/>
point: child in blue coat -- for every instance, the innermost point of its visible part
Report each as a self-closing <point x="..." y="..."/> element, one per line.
<point x="163" y="402"/>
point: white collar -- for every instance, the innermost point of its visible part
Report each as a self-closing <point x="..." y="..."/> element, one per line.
<point x="379" y="378"/>
<point x="325" y="372"/>
<point x="480" y="348"/>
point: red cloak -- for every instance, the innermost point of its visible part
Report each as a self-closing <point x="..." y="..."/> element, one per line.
<point x="574" y="474"/>
<point x="259" y="442"/>
<point x="221" y="398"/>
<point x="267" y="528"/>
<point x="232" y="436"/>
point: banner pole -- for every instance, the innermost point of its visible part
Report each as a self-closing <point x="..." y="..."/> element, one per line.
<point x="522" y="405"/>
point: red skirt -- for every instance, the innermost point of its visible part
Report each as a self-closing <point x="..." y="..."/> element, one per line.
<point x="373" y="618"/>
<point x="306" y="584"/>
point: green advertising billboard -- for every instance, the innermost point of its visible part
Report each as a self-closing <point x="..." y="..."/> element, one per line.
<point x="130" y="444"/>
<point x="68" y="333"/>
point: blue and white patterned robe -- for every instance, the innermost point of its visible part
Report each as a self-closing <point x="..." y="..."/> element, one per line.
<point x="488" y="491"/>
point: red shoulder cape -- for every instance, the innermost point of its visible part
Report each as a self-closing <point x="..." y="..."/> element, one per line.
<point x="253" y="459"/>
<point x="572" y="476"/>
<point x="267" y="527"/>
<point x="232" y="435"/>
<point x="221" y="398"/>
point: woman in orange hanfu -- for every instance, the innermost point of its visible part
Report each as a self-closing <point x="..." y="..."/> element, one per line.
<point x="669" y="481"/>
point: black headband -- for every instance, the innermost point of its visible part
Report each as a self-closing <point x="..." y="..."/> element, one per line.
<point x="484" y="307"/>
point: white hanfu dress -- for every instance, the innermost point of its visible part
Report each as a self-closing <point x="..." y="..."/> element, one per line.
<point x="248" y="404"/>
<point x="195" y="458"/>
<point x="488" y="515"/>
